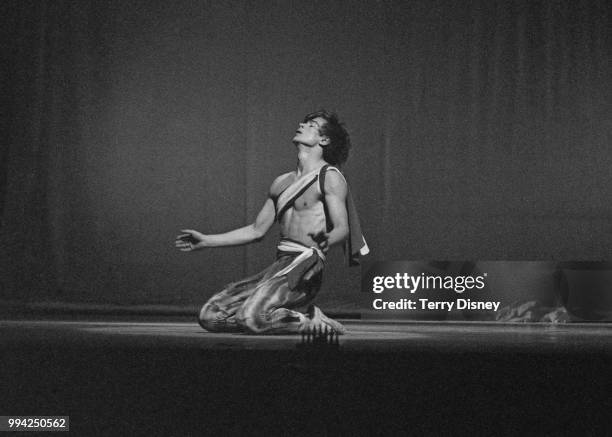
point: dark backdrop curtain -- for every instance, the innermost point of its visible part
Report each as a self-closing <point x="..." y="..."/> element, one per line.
<point x="481" y="130"/>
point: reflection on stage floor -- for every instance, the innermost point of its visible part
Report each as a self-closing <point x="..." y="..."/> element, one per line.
<point x="144" y="376"/>
<point x="370" y="335"/>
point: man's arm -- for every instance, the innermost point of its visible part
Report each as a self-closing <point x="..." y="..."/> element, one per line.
<point x="336" y="191"/>
<point x="190" y="240"/>
<point x="193" y="240"/>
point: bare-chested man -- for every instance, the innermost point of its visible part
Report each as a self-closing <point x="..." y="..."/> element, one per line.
<point x="310" y="205"/>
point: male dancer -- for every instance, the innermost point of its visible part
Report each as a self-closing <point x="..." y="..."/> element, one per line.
<point x="315" y="211"/>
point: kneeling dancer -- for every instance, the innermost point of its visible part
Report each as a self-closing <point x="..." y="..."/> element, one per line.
<point x="315" y="211"/>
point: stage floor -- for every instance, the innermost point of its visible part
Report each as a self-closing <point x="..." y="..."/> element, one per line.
<point x="117" y="376"/>
<point x="367" y="335"/>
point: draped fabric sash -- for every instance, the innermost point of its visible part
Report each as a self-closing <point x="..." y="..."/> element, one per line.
<point x="308" y="258"/>
<point x="288" y="196"/>
<point x="355" y="245"/>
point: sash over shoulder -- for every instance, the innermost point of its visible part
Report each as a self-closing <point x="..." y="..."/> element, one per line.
<point x="355" y="245"/>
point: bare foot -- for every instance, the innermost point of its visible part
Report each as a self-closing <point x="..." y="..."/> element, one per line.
<point x="319" y="321"/>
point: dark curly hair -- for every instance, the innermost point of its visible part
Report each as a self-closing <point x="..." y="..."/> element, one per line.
<point x="337" y="151"/>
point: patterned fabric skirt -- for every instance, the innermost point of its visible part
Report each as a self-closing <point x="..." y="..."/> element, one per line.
<point x="262" y="303"/>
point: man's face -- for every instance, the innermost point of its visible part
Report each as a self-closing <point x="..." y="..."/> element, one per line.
<point x="309" y="133"/>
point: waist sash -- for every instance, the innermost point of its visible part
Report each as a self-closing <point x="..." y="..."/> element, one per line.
<point x="307" y="258"/>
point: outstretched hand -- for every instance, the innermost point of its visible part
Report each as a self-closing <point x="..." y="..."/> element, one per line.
<point x="322" y="240"/>
<point x="189" y="240"/>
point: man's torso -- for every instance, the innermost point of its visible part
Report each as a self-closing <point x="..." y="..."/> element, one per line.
<point x="305" y="217"/>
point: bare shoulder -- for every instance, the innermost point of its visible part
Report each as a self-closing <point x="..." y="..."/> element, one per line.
<point x="280" y="181"/>
<point x="335" y="183"/>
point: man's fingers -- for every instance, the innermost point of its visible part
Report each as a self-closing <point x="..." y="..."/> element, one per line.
<point x="319" y="236"/>
<point x="187" y="238"/>
<point x="184" y="242"/>
<point x="188" y="247"/>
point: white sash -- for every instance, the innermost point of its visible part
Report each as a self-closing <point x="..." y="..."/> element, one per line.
<point x="305" y="252"/>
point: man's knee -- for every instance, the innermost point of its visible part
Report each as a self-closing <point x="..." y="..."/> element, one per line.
<point x="208" y="316"/>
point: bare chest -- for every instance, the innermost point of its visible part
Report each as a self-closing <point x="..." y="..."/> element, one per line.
<point x="310" y="199"/>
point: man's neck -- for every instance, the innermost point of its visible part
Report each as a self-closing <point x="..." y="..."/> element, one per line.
<point x="309" y="159"/>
